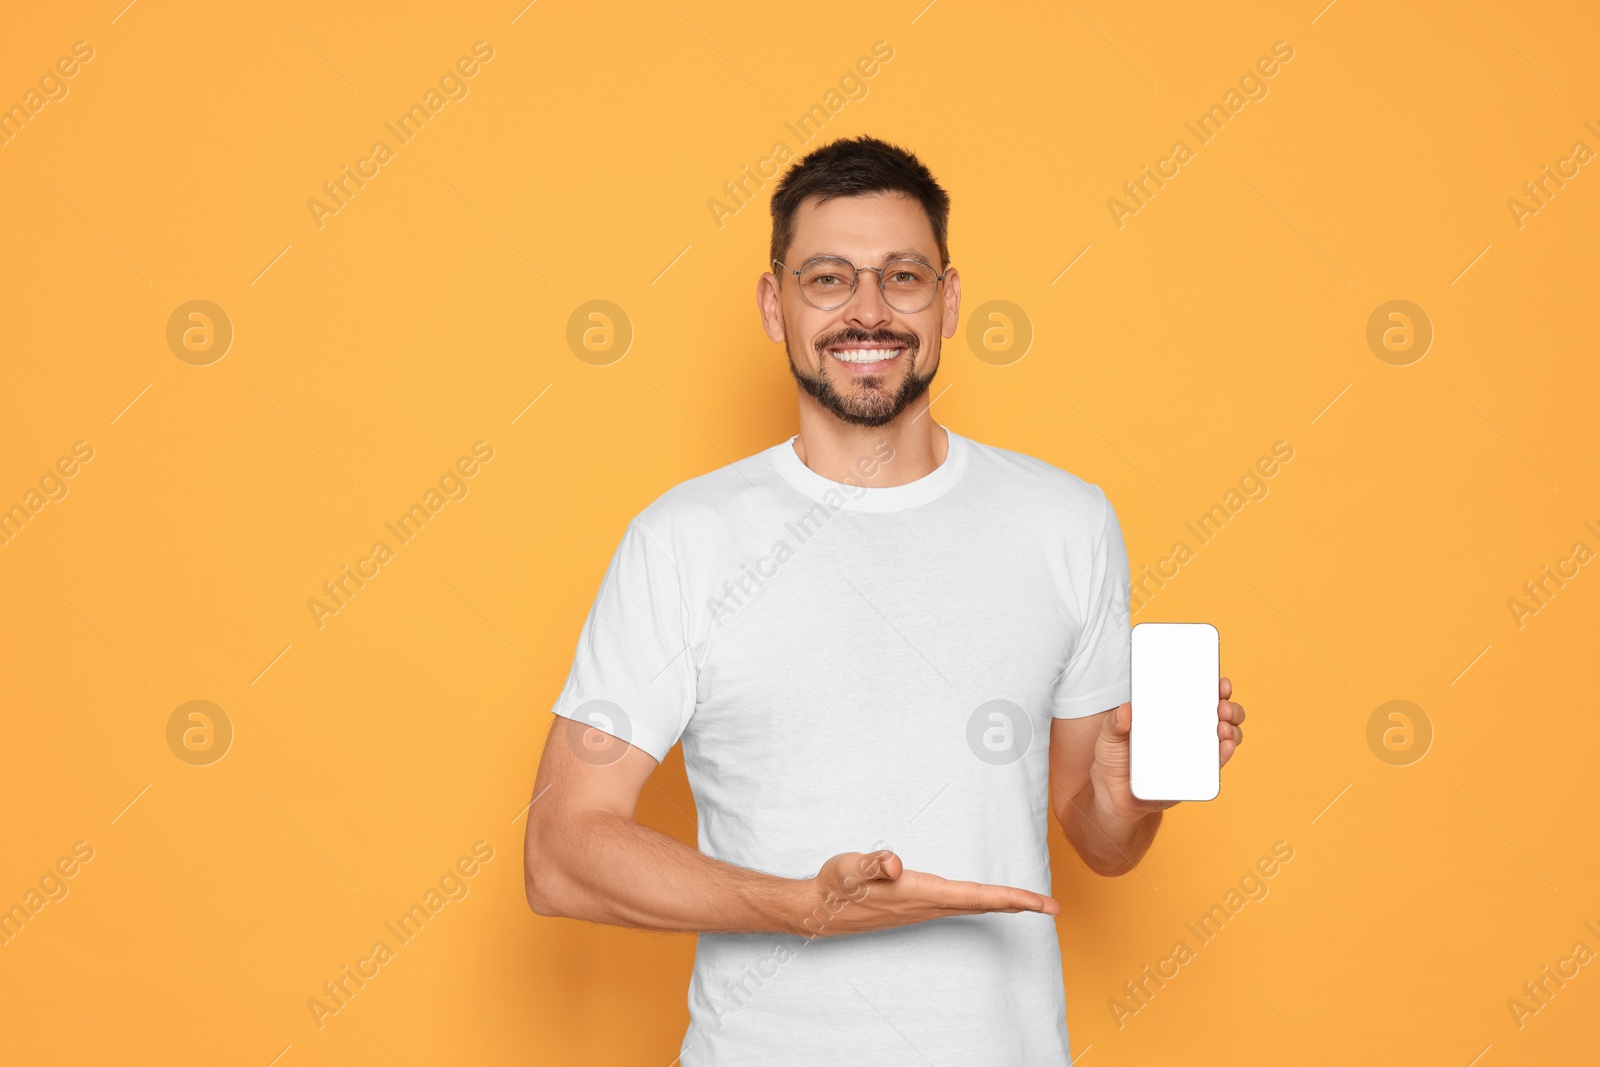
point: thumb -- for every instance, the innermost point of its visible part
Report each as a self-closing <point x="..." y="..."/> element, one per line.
<point x="881" y="866"/>
<point x="1118" y="723"/>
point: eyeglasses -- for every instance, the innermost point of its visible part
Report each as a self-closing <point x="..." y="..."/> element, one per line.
<point x="828" y="282"/>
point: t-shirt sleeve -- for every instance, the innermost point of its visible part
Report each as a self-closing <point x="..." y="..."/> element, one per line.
<point x="633" y="675"/>
<point x="1098" y="675"/>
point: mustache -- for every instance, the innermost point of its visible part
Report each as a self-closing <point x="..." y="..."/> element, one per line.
<point x="856" y="335"/>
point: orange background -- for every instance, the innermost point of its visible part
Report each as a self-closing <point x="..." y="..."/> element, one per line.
<point x="1229" y="313"/>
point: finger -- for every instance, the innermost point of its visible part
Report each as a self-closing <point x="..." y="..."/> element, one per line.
<point x="980" y="896"/>
<point x="1226" y="731"/>
<point x="882" y="866"/>
<point x="1224" y="687"/>
<point x="1012" y="899"/>
<point x="1225" y="752"/>
<point x="1118" y="722"/>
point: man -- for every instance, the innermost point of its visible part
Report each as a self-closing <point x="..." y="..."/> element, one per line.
<point x="889" y="651"/>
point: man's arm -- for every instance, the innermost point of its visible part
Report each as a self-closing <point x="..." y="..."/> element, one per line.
<point x="1109" y="842"/>
<point x="1089" y="783"/>
<point x="586" y="858"/>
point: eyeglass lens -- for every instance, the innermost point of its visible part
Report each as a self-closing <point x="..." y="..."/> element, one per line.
<point x="908" y="284"/>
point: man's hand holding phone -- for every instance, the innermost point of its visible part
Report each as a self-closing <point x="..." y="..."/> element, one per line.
<point x="1111" y="769"/>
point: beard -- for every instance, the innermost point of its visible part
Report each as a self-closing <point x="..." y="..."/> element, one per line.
<point x="868" y="402"/>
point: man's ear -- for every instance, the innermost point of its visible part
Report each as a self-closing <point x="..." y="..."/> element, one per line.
<point x="952" y="302"/>
<point x="769" y="302"/>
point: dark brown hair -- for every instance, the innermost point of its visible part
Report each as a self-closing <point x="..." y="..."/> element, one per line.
<point x="857" y="166"/>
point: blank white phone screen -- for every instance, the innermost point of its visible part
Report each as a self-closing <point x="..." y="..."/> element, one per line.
<point x="1176" y="669"/>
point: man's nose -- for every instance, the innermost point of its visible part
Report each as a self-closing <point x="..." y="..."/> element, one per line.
<point x="867" y="307"/>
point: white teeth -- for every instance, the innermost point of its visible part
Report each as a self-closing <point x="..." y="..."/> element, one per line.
<point x="865" y="355"/>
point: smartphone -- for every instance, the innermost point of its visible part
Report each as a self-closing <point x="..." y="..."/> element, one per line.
<point x="1177" y="667"/>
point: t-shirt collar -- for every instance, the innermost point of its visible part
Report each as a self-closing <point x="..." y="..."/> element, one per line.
<point x="857" y="497"/>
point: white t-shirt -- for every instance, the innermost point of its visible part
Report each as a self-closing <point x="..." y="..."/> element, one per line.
<point x="854" y="668"/>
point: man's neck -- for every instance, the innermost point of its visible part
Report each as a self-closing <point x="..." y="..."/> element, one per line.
<point x="902" y="451"/>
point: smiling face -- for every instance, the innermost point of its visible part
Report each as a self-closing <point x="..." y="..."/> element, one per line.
<point x="865" y="362"/>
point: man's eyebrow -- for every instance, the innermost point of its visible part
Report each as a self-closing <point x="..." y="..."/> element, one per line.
<point x="887" y="256"/>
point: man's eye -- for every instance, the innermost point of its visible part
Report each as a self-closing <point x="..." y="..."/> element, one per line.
<point x="824" y="278"/>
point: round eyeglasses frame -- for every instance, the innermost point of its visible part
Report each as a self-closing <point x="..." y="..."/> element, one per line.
<point x="855" y="277"/>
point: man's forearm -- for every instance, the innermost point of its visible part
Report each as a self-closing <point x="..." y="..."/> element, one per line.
<point x="597" y="865"/>
<point x="1109" y="844"/>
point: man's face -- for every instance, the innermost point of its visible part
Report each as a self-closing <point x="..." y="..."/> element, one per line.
<point x="864" y="362"/>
